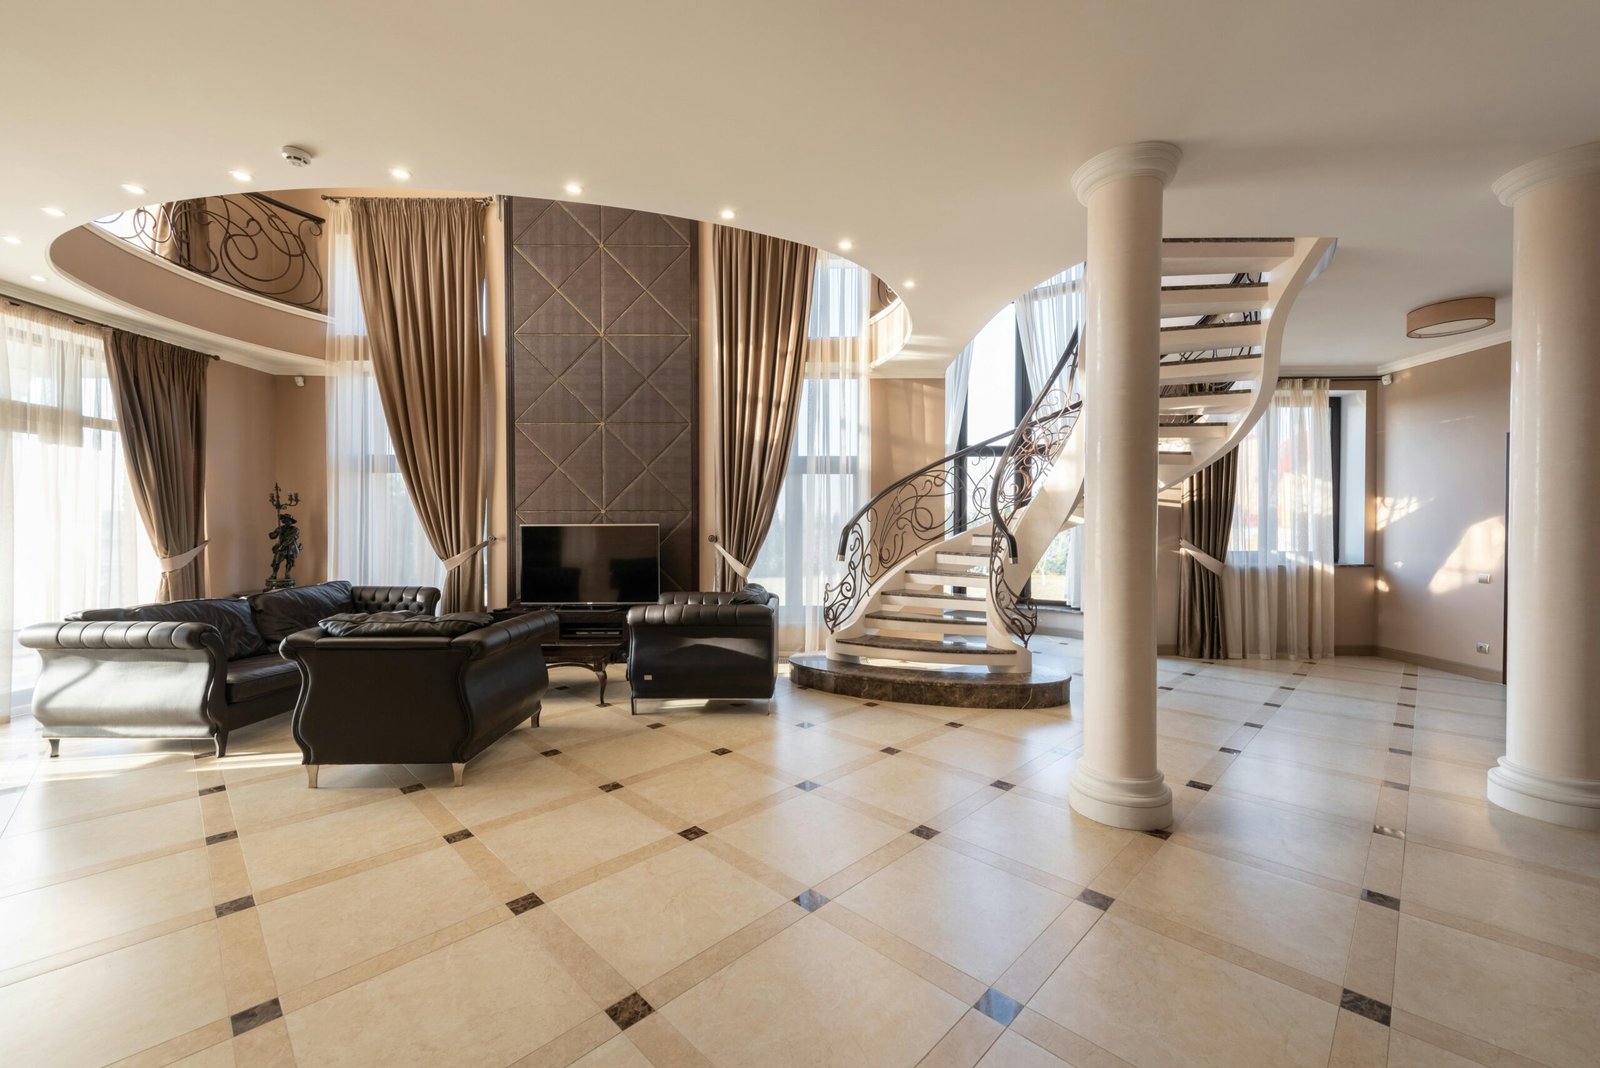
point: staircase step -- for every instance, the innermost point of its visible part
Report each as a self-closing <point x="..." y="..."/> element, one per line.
<point x="1208" y="403"/>
<point x="881" y="621"/>
<point x="948" y="576"/>
<point x="1231" y="369"/>
<point x="1194" y="431"/>
<point x="1183" y="256"/>
<point x="1212" y="336"/>
<point x="889" y="643"/>
<point x="1213" y="300"/>
<point x="936" y="598"/>
<point x="955" y="556"/>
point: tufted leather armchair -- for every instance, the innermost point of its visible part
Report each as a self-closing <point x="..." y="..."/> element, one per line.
<point x="716" y="646"/>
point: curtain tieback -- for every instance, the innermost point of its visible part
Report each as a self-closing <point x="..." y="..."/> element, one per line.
<point x="169" y="564"/>
<point x="451" y="563"/>
<point x="739" y="568"/>
<point x="1201" y="557"/>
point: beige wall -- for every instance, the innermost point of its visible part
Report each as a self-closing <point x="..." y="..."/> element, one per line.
<point x="907" y="427"/>
<point x="241" y="438"/>
<point x="1441" y="511"/>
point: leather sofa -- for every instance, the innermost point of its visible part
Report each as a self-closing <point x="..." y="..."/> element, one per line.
<point x="186" y="669"/>
<point x="382" y="691"/>
<point x="715" y="646"/>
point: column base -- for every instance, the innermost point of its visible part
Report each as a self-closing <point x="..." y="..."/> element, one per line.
<point x="1566" y="802"/>
<point x="1132" y="804"/>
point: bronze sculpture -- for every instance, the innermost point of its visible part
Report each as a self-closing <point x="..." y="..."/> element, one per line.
<point x="285" y="538"/>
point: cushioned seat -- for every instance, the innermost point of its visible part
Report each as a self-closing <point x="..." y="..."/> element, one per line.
<point x="257" y="676"/>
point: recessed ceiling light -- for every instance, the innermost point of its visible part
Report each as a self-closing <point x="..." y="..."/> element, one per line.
<point x="38" y="278"/>
<point x="400" y="174"/>
<point x="574" y="188"/>
<point x="846" y="245"/>
<point x="136" y="190"/>
<point x="11" y="239"/>
<point x="908" y="284"/>
<point x="727" y="213"/>
<point x="55" y="213"/>
<point x="240" y="176"/>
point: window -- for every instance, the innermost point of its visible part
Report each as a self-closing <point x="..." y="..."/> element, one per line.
<point x="70" y="533"/>
<point x="1348" y="419"/>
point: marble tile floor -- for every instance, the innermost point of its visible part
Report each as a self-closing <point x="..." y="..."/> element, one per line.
<point x="840" y="882"/>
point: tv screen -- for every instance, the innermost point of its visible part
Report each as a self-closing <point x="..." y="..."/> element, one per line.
<point x="600" y="563"/>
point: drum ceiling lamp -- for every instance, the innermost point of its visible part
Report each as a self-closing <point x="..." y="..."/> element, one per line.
<point x="1460" y="316"/>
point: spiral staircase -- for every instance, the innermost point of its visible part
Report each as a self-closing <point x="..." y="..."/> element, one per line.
<point x="936" y="566"/>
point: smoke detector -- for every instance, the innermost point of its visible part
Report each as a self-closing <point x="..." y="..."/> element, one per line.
<point x="296" y="156"/>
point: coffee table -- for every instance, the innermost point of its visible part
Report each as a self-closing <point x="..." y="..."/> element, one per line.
<point x="593" y="654"/>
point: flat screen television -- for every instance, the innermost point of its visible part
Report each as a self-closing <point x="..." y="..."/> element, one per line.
<point x="590" y="563"/>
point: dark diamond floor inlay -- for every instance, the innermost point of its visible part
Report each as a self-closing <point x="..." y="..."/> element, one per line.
<point x="1271" y="704"/>
<point x="413" y="788"/>
<point x="891" y="750"/>
<point x="654" y="726"/>
<point x="1407" y="726"/>
<point x="551" y="752"/>
<point x="1361" y="1005"/>
<point x="610" y="786"/>
<point x="255" y="1016"/>
<point x="806" y="726"/>
<point x="1390" y="832"/>
<point x="629" y="1011"/>
<point x="924" y="831"/>
<point x="1097" y="899"/>
<point x="1225" y="749"/>
<point x="1196" y="784"/>
<point x="1257" y="726"/>
<point x="1399" y="752"/>
<point x="212" y="790"/>
<point x="1397" y="785"/>
<point x="810" y="900"/>
<point x="221" y="836"/>
<point x="458" y="836"/>
<point x="721" y="752"/>
<point x="1001" y="1008"/>
<point x="238" y="904"/>
<point x="1372" y="897"/>
<point x="522" y="904"/>
<point x="1163" y="835"/>
<point x="1001" y="784"/>
<point x="953" y="723"/>
<point x="691" y="833"/>
<point x="808" y="785"/>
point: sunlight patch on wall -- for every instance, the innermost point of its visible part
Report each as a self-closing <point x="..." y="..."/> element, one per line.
<point x="1480" y="549"/>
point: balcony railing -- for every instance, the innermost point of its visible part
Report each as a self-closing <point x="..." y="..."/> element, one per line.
<point x="249" y="241"/>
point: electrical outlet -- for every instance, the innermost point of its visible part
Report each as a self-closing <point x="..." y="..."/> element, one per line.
<point x="1483" y="647"/>
<point x="1484" y="578"/>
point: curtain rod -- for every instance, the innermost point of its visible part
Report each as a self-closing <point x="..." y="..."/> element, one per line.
<point x="480" y="200"/>
<point x="17" y="303"/>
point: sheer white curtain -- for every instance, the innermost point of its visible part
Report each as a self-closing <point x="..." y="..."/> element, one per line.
<point x="1277" y="585"/>
<point x="826" y="480"/>
<point x="70" y="533"/>
<point x="957" y="379"/>
<point x="373" y="532"/>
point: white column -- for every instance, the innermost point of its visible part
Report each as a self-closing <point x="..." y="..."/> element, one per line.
<point x="1117" y="781"/>
<point x="1551" y="769"/>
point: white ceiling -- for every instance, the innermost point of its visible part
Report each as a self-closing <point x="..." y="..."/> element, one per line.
<point x="937" y="135"/>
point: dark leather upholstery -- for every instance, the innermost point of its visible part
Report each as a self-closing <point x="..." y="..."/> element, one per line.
<point x="701" y="644"/>
<point x="403" y="624"/>
<point x="279" y="613"/>
<point x="417" y="699"/>
<point x="394" y="599"/>
<point x="184" y="669"/>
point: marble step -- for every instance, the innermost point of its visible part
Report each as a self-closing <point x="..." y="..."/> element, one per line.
<point x="925" y="623"/>
<point x="922" y="650"/>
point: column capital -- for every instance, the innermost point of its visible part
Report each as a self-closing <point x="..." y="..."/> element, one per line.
<point x="1142" y="159"/>
<point x="1571" y="162"/>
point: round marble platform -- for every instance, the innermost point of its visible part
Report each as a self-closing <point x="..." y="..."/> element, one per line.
<point x="1048" y="685"/>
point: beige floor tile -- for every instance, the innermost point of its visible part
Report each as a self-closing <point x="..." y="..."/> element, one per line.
<point x="1122" y="979"/>
<point x="112" y="1006"/>
<point x="64" y="798"/>
<point x="1348" y="729"/>
<point x="1363" y="760"/>
<point x="1201" y="728"/>
<point x="618" y="1053"/>
<point x="1517" y="1000"/>
<point x="51" y="854"/>
<point x="1245" y="693"/>
<point x="294" y="851"/>
<point x="721" y="728"/>
<point x="881" y="725"/>
<point x="1181" y="760"/>
<point x="1291" y="922"/>
<point x="285" y="797"/>
<point x="804" y="754"/>
<point x="662" y="911"/>
<point x="1046" y="727"/>
<point x="1463" y="780"/>
<point x="1323" y="846"/>
<point x="968" y="914"/>
<point x="1467" y="748"/>
<point x="578" y="725"/>
<point x="553" y="845"/>
<point x="487" y="999"/>
<point x="64" y="916"/>
<point x="634" y="754"/>
<point x="808" y="837"/>
<point x="1296" y="784"/>
<point x="1054" y="778"/>
<point x="317" y="932"/>
<point x="221" y="1055"/>
<point x="907" y="788"/>
<point x="497" y="790"/>
<point x="1484" y="826"/>
<point x="1043" y="836"/>
<point x="812" y="995"/>
<point x="1408" y="1052"/>
<point x="1561" y="912"/>
<point x="701" y="792"/>
<point x="1011" y="1050"/>
<point x="983" y="754"/>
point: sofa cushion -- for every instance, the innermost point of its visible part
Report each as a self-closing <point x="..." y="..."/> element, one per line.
<point x="231" y="616"/>
<point x="279" y="613"/>
<point x="403" y="624"/>
<point x="258" y="676"/>
<point x="753" y="593"/>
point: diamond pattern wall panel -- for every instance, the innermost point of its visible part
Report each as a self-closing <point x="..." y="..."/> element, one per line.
<point x="602" y="305"/>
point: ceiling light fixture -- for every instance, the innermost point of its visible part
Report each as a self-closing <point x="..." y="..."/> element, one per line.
<point x="400" y="174"/>
<point x="240" y="176"/>
<point x="727" y="213"/>
<point x="38" y="278"/>
<point x="846" y="245"/>
<point x="1448" y="317"/>
<point x="908" y="284"/>
<point x="54" y="213"/>
<point x="135" y="189"/>
<point x="574" y="189"/>
<point x="11" y="239"/>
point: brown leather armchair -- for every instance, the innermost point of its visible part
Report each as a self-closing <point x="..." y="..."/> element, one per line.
<point x="716" y="646"/>
<point x="416" y="698"/>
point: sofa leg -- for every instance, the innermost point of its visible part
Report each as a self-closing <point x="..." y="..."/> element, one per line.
<point x="311" y="775"/>
<point x="55" y="746"/>
<point x="633" y="706"/>
<point x="460" y="771"/>
<point x="533" y="720"/>
<point x="221" y="741"/>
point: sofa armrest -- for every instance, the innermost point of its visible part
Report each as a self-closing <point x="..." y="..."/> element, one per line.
<point x="700" y="615"/>
<point x="124" y="635"/>
<point x="529" y="628"/>
<point x="395" y="599"/>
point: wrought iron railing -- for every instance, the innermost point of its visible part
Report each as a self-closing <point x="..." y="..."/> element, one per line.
<point x="1033" y="449"/>
<point x="249" y="241"/>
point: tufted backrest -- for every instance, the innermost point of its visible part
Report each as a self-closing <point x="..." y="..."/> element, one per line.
<point x="395" y="599"/>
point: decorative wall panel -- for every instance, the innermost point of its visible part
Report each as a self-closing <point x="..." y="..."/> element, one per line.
<point x="602" y="305"/>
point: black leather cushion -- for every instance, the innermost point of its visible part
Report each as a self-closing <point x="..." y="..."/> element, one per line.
<point x="230" y="616"/>
<point x="403" y="624"/>
<point x="279" y="613"/>
<point x="258" y="676"/>
<point x="753" y="593"/>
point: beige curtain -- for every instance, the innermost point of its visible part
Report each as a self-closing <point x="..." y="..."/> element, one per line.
<point x="762" y="292"/>
<point x="160" y="396"/>
<point x="1205" y="523"/>
<point x="421" y="265"/>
